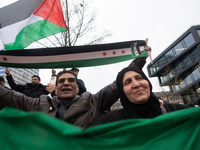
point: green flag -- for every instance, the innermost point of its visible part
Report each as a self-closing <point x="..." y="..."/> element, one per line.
<point x="177" y="130"/>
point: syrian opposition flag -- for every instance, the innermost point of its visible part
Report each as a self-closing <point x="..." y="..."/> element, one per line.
<point x="178" y="130"/>
<point x="68" y="57"/>
<point x="26" y="21"/>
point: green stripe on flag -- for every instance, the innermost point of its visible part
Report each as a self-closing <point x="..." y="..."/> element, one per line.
<point x="34" y="32"/>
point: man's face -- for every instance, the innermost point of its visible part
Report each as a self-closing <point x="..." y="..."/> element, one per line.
<point x="66" y="87"/>
<point x="35" y="81"/>
<point x="76" y="72"/>
<point x="2" y="83"/>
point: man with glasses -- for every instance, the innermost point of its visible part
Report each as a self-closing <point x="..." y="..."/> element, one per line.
<point x="34" y="89"/>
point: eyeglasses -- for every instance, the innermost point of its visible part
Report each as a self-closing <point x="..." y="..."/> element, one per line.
<point x="70" y="80"/>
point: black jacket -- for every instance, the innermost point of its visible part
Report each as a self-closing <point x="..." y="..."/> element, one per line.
<point x="28" y="89"/>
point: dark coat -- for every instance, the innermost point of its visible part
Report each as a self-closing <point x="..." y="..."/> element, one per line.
<point x="28" y="89"/>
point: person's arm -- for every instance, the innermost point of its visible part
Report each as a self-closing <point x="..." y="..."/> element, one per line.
<point x="51" y="89"/>
<point x="13" y="85"/>
<point x="17" y="100"/>
<point x="107" y="96"/>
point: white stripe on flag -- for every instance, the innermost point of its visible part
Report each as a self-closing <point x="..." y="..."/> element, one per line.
<point x="9" y="33"/>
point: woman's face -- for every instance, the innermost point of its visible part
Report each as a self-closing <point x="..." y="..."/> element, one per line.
<point x="135" y="87"/>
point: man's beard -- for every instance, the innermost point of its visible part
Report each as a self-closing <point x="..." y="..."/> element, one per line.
<point x="34" y="84"/>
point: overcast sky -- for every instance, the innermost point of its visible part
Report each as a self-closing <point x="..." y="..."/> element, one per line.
<point x="162" y="21"/>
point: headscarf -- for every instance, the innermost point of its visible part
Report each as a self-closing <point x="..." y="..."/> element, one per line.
<point x="149" y="109"/>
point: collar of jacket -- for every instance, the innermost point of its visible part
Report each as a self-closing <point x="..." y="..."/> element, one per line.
<point x="72" y="100"/>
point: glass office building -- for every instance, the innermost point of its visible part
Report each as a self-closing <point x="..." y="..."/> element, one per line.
<point x="180" y="63"/>
<point x="20" y="75"/>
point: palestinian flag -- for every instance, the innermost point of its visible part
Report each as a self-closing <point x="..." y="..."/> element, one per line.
<point x="26" y="21"/>
<point x="178" y="130"/>
<point x="68" y="57"/>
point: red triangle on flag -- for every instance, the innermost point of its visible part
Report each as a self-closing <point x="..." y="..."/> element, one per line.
<point x="51" y="11"/>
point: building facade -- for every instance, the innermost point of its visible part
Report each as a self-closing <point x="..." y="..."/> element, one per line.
<point x="20" y="75"/>
<point x="178" y="66"/>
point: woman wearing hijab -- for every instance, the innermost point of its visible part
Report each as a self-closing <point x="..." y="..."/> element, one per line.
<point x="136" y="97"/>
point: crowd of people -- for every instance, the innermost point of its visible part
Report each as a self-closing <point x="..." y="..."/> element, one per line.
<point x="71" y="102"/>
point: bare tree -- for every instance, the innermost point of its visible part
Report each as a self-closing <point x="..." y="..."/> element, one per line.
<point x="82" y="28"/>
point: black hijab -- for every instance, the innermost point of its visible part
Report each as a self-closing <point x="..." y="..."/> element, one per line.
<point x="149" y="109"/>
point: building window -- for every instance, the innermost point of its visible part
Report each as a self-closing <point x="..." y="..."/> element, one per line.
<point x="189" y="80"/>
<point x="179" y="67"/>
<point x="154" y="67"/>
<point x="179" y="48"/>
<point x="169" y="55"/>
<point x="189" y="40"/>
<point x="196" y="54"/>
<point x="187" y="61"/>
<point x="198" y="31"/>
<point x="196" y="74"/>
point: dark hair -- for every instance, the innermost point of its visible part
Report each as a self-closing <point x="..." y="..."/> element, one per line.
<point x="75" y="69"/>
<point x="65" y="71"/>
<point x="2" y="79"/>
<point x="36" y="76"/>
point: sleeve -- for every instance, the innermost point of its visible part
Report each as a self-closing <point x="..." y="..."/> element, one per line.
<point x="106" y="97"/>
<point x="17" y="100"/>
<point x="138" y="62"/>
<point x="13" y="85"/>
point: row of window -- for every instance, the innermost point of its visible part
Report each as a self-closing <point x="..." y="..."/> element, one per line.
<point x="195" y="75"/>
<point x="194" y="56"/>
<point x="174" y="52"/>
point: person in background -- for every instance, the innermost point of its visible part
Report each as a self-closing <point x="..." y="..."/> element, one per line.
<point x="34" y="89"/>
<point x="3" y="83"/>
<point x="80" y="82"/>
<point x="53" y="77"/>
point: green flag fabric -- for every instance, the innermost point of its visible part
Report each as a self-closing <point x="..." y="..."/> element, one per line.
<point x="177" y="130"/>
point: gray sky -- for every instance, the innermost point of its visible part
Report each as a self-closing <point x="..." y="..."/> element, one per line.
<point x="162" y="21"/>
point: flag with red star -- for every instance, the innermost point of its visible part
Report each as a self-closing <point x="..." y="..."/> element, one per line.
<point x="67" y="57"/>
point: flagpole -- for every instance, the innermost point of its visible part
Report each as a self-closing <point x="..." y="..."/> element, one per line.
<point x="68" y="32"/>
<point x="68" y="23"/>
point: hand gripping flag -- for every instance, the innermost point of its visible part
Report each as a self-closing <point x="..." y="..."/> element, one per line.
<point x="67" y="57"/>
<point x="26" y="21"/>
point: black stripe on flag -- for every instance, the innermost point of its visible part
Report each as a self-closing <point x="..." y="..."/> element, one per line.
<point x="69" y="50"/>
